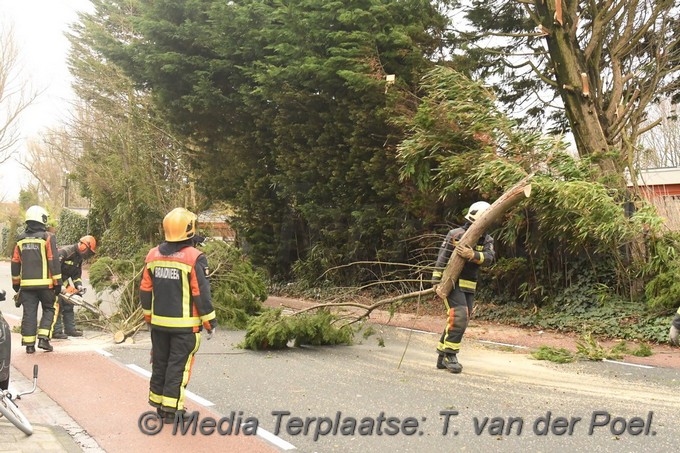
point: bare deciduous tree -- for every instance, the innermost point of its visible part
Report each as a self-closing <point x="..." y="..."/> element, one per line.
<point x="604" y="62"/>
<point x="661" y="146"/>
<point x="15" y="94"/>
<point x="51" y="160"/>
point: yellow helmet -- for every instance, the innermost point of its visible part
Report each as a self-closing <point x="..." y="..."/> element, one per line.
<point x="179" y="225"/>
<point x="37" y="214"/>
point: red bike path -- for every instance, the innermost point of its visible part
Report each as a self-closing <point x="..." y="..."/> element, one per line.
<point x="107" y="399"/>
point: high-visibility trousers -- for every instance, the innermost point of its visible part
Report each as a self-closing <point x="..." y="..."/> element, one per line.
<point x="172" y="359"/>
<point x="459" y="306"/>
<point x="30" y="300"/>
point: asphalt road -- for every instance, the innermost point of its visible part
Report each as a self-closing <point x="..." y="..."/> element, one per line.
<point x="365" y="397"/>
<point x="408" y="400"/>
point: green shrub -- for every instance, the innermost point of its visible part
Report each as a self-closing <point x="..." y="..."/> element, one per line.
<point x="71" y="227"/>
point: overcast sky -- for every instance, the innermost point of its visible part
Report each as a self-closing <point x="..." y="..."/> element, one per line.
<point x="39" y="27"/>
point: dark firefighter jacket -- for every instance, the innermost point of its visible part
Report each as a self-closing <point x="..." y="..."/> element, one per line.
<point x="71" y="264"/>
<point x="175" y="291"/>
<point x="484" y="254"/>
<point x="35" y="262"/>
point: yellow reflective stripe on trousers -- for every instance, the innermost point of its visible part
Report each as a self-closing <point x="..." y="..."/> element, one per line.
<point x="169" y="402"/>
<point x="54" y="318"/>
<point x="28" y="339"/>
<point x="42" y="251"/>
<point x="186" y="288"/>
<point x="187" y="372"/>
<point x="158" y="399"/>
<point x="44" y="332"/>
<point x="443" y="345"/>
<point x="467" y="284"/>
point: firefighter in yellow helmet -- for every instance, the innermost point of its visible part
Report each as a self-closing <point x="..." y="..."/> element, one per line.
<point x="175" y="297"/>
<point x="460" y="301"/>
<point x="71" y="259"/>
<point x="36" y="276"/>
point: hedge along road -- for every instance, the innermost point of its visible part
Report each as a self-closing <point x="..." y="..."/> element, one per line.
<point x="368" y="398"/>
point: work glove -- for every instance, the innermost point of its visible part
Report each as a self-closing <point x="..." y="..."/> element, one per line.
<point x="57" y="289"/>
<point x="210" y="327"/>
<point x="81" y="290"/>
<point x="673" y="334"/>
<point x="16" y="287"/>
<point x="465" y="252"/>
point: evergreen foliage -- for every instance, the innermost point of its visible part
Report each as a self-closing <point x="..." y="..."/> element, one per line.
<point x="272" y="330"/>
<point x="131" y="168"/>
<point x="292" y="98"/>
<point x="237" y="289"/>
<point x="282" y="111"/>
<point x="71" y="227"/>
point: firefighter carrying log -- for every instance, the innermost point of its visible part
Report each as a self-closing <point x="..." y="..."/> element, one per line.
<point x="36" y="277"/>
<point x="175" y="297"/>
<point x="460" y="301"/>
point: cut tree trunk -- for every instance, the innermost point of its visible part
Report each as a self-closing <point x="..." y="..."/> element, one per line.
<point x="455" y="265"/>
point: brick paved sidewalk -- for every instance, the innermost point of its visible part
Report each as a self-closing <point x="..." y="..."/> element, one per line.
<point x="53" y="429"/>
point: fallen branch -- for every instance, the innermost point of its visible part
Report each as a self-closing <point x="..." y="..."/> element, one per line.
<point x="367" y="308"/>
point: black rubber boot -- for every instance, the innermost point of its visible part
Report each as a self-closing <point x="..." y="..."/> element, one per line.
<point x="74" y="333"/>
<point x="451" y="363"/>
<point x="44" y="343"/>
<point x="440" y="362"/>
<point x="30" y="349"/>
<point x="59" y="336"/>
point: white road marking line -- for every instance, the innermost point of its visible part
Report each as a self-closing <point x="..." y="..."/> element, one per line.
<point x="263" y="433"/>
<point x="629" y="364"/>
<point x="139" y="370"/>
<point x="199" y="399"/>
<point x="282" y="444"/>
<point x="103" y="352"/>
<point x="417" y="331"/>
<point x="503" y="344"/>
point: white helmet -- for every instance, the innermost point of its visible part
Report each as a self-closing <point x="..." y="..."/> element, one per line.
<point x="37" y="214"/>
<point x="476" y="209"/>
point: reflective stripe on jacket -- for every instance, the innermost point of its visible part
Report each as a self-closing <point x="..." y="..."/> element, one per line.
<point x="484" y="255"/>
<point x="173" y="294"/>
<point x="35" y="261"/>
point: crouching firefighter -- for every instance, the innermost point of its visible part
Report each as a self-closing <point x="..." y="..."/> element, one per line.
<point x="36" y="277"/>
<point x="175" y="297"/>
<point x="460" y="301"/>
<point x="71" y="258"/>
